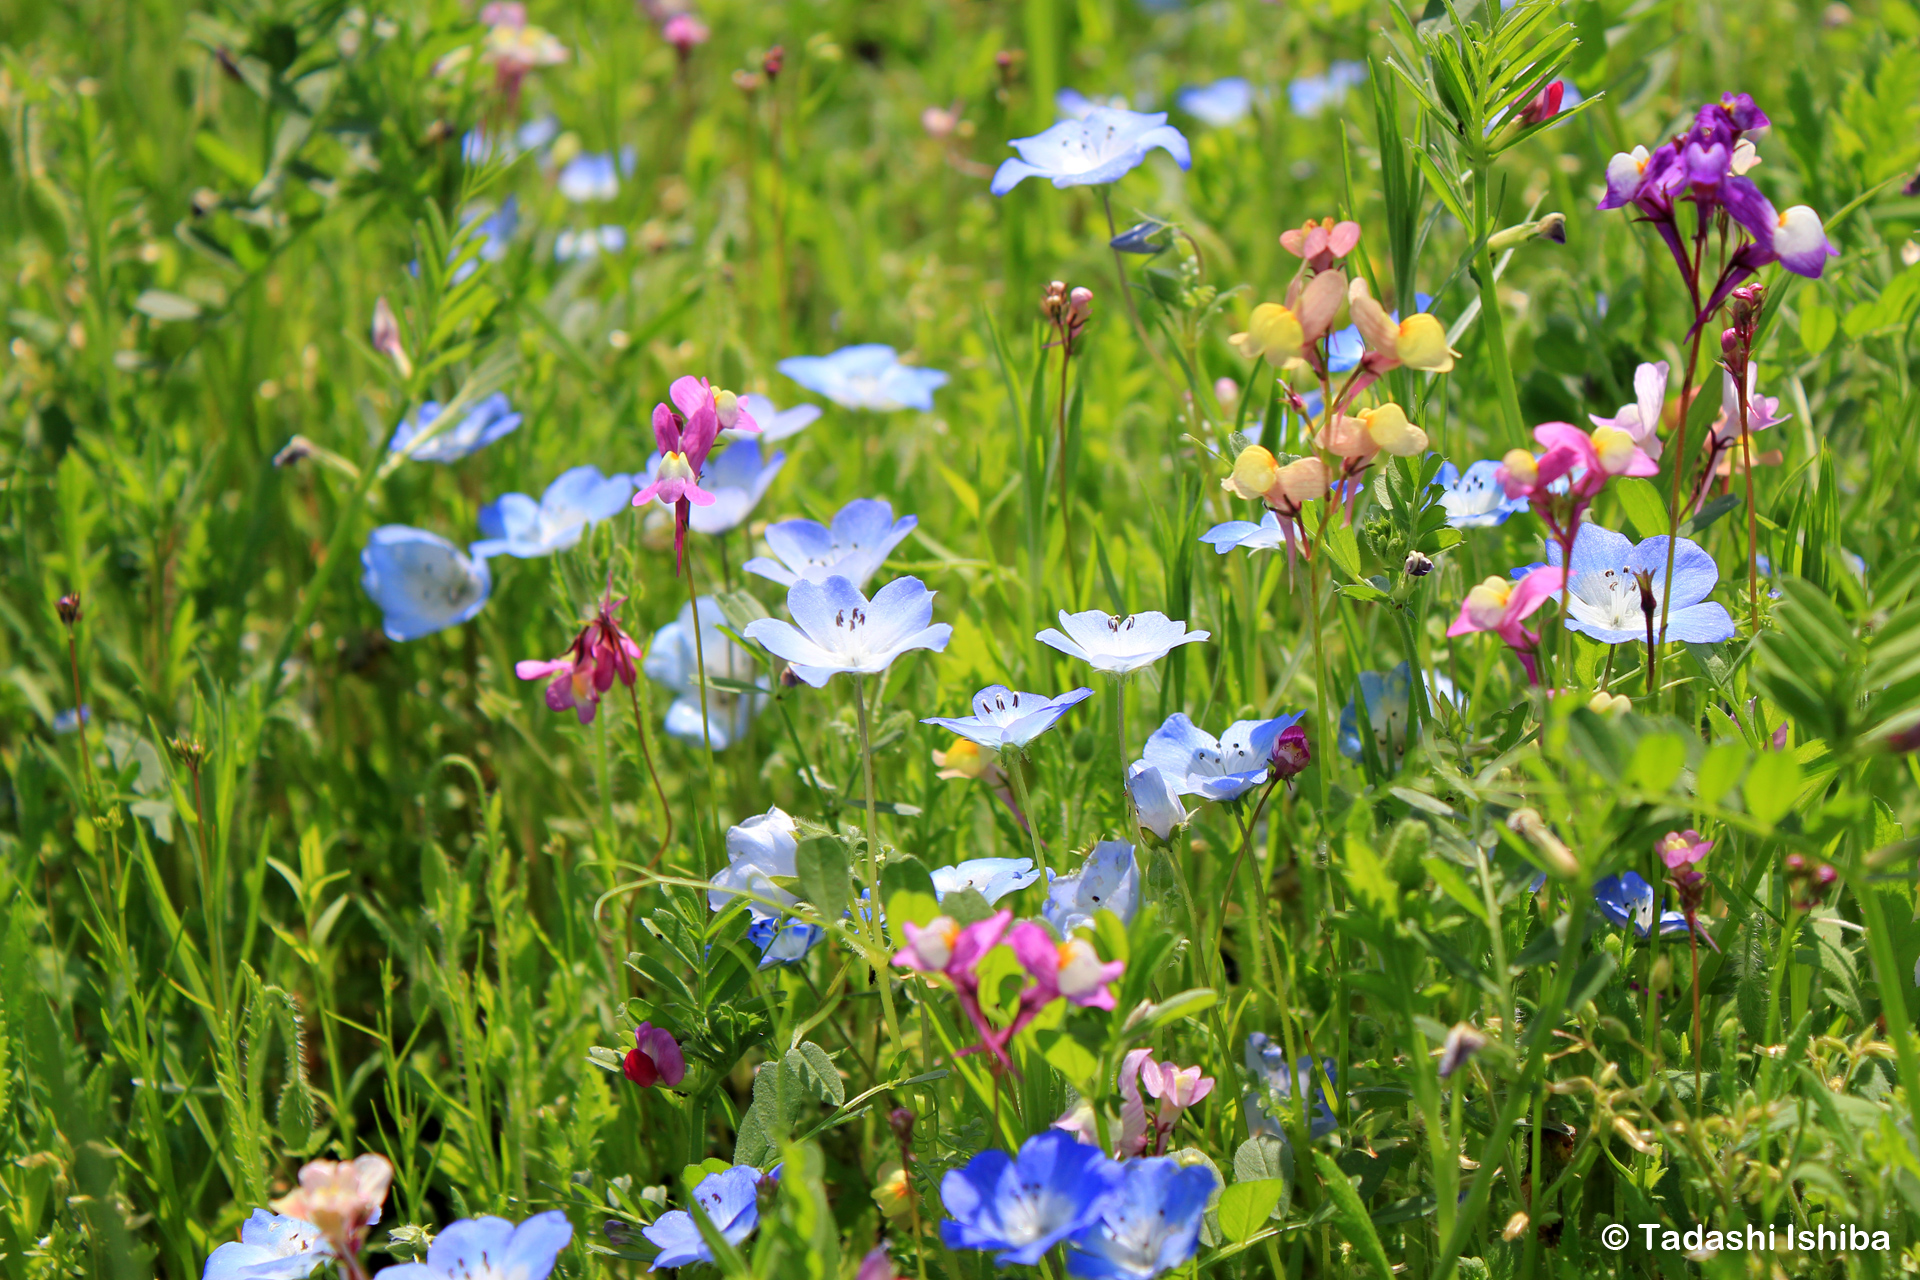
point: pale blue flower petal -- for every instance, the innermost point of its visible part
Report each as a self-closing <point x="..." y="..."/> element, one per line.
<point x="422" y="582"/>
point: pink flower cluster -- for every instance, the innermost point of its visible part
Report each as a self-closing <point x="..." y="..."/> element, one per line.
<point x="601" y="653"/>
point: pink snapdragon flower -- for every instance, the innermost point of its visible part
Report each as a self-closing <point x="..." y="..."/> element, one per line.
<point x="1071" y="970"/>
<point x="1561" y="483"/>
<point x="1502" y="606"/>
<point x="600" y="654"/>
<point x="685" y="432"/>
<point x="1174" y="1088"/>
<point x="1320" y="243"/>
<point x="341" y="1198"/>
<point x="944" y="947"/>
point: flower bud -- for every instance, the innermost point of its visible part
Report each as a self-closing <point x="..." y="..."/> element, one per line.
<point x="900" y="1120"/>
<point x="1662" y="976"/>
<point x="1080" y="304"/>
<point x="1290" y="755"/>
<point x="68" y="607"/>
<point x="775" y="59"/>
<point x="1553" y="851"/>
<point x="1419" y="564"/>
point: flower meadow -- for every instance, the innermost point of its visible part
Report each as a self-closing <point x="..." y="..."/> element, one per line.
<point x="798" y="638"/>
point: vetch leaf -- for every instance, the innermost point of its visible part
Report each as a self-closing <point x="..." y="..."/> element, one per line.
<point x="1245" y="1206"/>
<point x="826" y="875"/>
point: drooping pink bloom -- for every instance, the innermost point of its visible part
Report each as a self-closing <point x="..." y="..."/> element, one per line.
<point x="1320" y="243"/>
<point x="944" y="947"/>
<point x="1502" y="606"/>
<point x="655" y="1058"/>
<point x="341" y="1198"/>
<point x="1562" y="482"/>
<point x="600" y="654"/>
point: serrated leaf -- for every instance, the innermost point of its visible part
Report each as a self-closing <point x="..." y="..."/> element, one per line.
<point x="1246" y="1206"/>
<point x="815" y="1070"/>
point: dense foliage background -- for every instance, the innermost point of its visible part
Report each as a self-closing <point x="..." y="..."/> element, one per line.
<point x="289" y="889"/>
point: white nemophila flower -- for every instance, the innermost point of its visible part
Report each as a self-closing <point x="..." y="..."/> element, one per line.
<point x="1109" y="880"/>
<point x="674" y="661"/>
<point x="862" y="536"/>
<point x="422" y="582"/>
<point x="839" y="629"/>
<point x="775" y="423"/>
<point x="1118" y="645"/>
<point x="1156" y="800"/>
<point x="491" y="1249"/>
<point x="1103" y="146"/>
<point x="762" y="847"/>
<point x="272" y="1246"/>
<point x="992" y="878"/>
<point x="1197" y="763"/>
<point x="1006" y="719"/>
<point x="516" y="525"/>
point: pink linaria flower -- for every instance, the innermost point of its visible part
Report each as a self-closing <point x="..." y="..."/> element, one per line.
<point x="944" y="947"/>
<point x="1502" y="605"/>
<point x="601" y="653"/>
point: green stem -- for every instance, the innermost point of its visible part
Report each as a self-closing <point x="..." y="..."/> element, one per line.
<point x="1490" y="319"/>
<point x="874" y="938"/>
<point x="1019" y="780"/>
<point x="706" y="728"/>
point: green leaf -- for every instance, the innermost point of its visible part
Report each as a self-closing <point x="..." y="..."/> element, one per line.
<point x="825" y="874"/>
<point x="1657" y="761"/>
<point x="967" y="906"/>
<point x="1071" y="1059"/>
<point x="1719" y="769"/>
<point x="1818" y="324"/>
<point x="1640" y="503"/>
<point x="1351" y="1217"/>
<point x="1150" y="1017"/>
<point x="1772" y="787"/>
<point x="1367" y="876"/>
<point x="1246" y="1206"/>
<point x="904" y="873"/>
<point x="1344" y="549"/>
<point x="815" y="1071"/>
<point x="908" y="906"/>
<point x="1263" y="1158"/>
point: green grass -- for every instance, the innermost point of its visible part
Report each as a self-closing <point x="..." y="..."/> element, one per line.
<point x="298" y="891"/>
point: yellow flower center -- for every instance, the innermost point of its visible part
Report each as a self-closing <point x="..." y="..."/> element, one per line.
<point x="1614" y="448"/>
<point x="1254" y="472"/>
<point x="1487" y="603"/>
<point x="1521" y="465"/>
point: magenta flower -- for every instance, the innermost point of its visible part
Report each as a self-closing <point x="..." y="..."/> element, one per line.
<point x="684" y="32"/>
<point x="1290" y="755"/>
<point x="1502" y="606"/>
<point x="601" y="653"/>
<point x="655" y="1058"/>
<point x="1562" y="483"/>
<point x="1173" y="1088"/>
<point x="942" y="946"/>
<point x="685" y="433"/>
<point x="1681" y="849"/>
<point x="1545" y="105"/>
<point x="1070" y="969"/>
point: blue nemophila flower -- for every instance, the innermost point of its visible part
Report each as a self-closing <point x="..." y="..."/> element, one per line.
<point x="1388" y="710"/>
<point x="674" y="661"/>
<point x="759" y="849"/>
<point x="1310" y="95"/>
<point x="1143" y="239"/>
<point x="491" y="1249"/>
<point x="992" y="878"/>
<point x="775" y="424"/>
<point x="736" y="480"/>
<point x="1265" y="536"/>
<point x="422" y="582"/>
<point x="1219" y="104"/>
<point x="867" y="376"/>
<point x="1155" y="799"/>
<point x="1198" y="764"/>
<point x="731" y="1201"/>
<point x="1267" y="1106"/>
<point x="1109" y="880"/>
<point x="783" y="939"/>
<point x="271" y="1246"/>
<point x="1021" y="1207"/>
<point x="840" y="630"/>
<point x="1103" y="147"/>
<point x="1118" y="646"/>
<point x="422" y="437"/>
<point x="1603" y="598"/>
<point x="579" y="246"/>
<point x="70" y="719"/>
<point x="1475" y="498"/>
<point x="594" y="176"/>
<point x="1150" y="1226"/>
<point x="1626" y="900"/>
<point x="1006" y="719"/>
<point x="515" y="525"/>
<point x="862" y="536"/>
